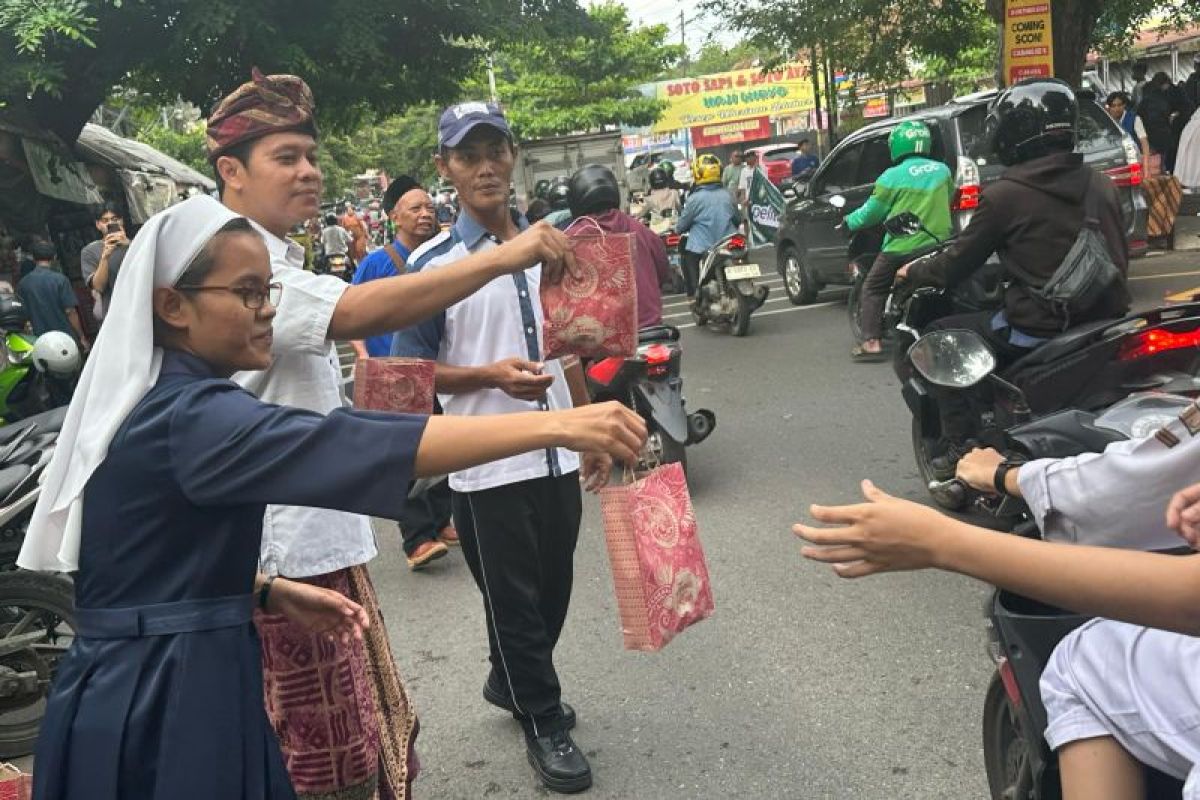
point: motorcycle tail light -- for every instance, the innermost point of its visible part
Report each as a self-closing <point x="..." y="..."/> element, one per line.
<point x="1157" y="340"/>
<point x="657" y="358"/>
<point x="605" y="370"/>
<point x="737" y="242"/>
<point x="673" y="240"/>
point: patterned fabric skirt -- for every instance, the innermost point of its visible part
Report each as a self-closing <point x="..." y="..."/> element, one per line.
<point x="341" y="713"/>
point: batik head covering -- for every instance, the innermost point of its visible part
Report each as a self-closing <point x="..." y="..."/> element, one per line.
<point x="122" y="368"/>
<point x="265" y="104"/>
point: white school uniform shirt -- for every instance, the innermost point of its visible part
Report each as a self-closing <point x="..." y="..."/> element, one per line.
<point x="1117" y="498"/>
<point x="297" y="541"/>
<point x="501" y="320"/>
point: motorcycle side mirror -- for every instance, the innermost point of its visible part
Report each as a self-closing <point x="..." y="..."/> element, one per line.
<point x="837" y="201"/>
<point x="904" y="224"/>
<point x="789" y="193"/>
<point x="956" y="359"/>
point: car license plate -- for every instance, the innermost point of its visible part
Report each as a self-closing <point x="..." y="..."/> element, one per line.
<point x="739" y="272"/>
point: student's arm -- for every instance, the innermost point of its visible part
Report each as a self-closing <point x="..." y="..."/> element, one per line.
<point x="888" y="534"/>
<point x="391" y="304"/>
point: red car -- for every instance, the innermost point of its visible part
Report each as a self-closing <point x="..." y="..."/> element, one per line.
<point x="776" y="159"/>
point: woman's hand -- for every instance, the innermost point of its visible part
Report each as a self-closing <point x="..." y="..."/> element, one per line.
<point x="609" y="428"/>
<point x="978" y="469"/>
<point x="1183" y="514"/>
<point x="884" y="534"/>
<point x="318" y="609"/>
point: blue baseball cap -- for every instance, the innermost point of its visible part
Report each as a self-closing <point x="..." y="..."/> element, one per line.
<point x="458" y="120"/>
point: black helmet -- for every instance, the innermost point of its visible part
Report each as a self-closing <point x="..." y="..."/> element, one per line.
<point x="592" y="189"/>
<point x="1034" y="118"/>
<point x="12" y="313"/>
<point x="541" y="189"/>
<point x="658" y="178"/>
<point x="559" y="193"/>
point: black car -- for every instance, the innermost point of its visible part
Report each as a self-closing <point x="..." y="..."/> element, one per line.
<point x="812" y="254"/>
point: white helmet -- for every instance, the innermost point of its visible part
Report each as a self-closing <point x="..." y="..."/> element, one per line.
<point x="56" y="352"/>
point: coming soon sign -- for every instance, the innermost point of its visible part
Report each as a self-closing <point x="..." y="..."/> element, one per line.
<point x="1028" y="40"/>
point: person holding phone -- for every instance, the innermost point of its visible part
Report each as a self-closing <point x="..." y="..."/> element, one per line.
<point x="101" y="260"/>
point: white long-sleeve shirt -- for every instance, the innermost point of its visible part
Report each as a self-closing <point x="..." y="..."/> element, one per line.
<point x="1117" y="498"/>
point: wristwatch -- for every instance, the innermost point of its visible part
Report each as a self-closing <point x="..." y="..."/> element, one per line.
<point x="999" y="480"/>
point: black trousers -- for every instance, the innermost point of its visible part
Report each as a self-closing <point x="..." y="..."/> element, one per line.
<point x="423" y="517"/>
<point x="958" y="421"/>
<point x="876" y="288"/>
<point x="691" y="271"/>
<point x="519" y="543"/>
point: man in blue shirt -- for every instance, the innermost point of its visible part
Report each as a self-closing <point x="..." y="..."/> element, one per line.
<point x="806" y="161"/>
<point x="411" y="211"/>
<point x="48" y="297"/>
<point x="708" y="217"/>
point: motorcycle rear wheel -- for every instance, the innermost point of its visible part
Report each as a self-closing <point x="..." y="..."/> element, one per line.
<point x="1005" y="747"/>
<point x="32" y="601"/>
<point x="741" y="319"/>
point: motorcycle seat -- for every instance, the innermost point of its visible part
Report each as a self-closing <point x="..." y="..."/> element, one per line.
<point x="11" y="478"/>
<point x="1066" y="343"/>
<point x="658" y="333"/>
<point x="46" y="422"/>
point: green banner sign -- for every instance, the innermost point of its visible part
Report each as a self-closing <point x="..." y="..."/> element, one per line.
<point x="766" y="205"/>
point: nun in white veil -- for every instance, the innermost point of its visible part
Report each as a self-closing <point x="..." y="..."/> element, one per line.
<point x="154" y="500"/>
<point x="1187" y="160"/>
<point x="155" y="497"/>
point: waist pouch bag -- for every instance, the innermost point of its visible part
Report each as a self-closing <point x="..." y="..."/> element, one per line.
<point x="1087" y="273"/>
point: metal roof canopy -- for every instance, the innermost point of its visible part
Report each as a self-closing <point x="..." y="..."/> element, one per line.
<point x="101" y="145"/>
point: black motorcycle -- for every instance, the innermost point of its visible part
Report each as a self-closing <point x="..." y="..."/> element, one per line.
<point x="650" y="383"/>
<point x="1022" y="633"/>
<point x="1089" y="367"/>
<point x="36" y="608"/>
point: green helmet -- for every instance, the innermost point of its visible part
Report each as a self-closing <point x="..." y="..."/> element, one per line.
<point x="910" y="138"/>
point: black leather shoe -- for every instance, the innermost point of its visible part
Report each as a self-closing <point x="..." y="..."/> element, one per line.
<point x="502" y="700"/>
<point x="559" y="762"/>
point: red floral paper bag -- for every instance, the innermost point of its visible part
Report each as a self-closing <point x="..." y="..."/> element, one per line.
<point x="14" y="784"/>
<point x="593" y="311"/>
<point x="659" y="572"/>
<point x="394" y="384"/>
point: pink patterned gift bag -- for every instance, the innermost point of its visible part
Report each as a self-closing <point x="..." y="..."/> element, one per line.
<point x="658" y="566"/>
<point x="592" y="312"/>
<point x="403" y="385"/>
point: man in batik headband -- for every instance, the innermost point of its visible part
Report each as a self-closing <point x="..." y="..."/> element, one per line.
<point x="262" y="141"/>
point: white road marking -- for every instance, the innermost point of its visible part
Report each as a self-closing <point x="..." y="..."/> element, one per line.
<point x="1162" y="275"/>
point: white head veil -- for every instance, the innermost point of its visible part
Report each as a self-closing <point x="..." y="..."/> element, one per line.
<point x="122" y="368"/>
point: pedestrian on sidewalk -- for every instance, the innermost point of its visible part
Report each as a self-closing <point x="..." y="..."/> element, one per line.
<point x="262" y="142"/>
<point x="518" y="517"/>
<point x="426" y="526"/>
<point x="48" y="297"/>
<point x="100" y="261"/>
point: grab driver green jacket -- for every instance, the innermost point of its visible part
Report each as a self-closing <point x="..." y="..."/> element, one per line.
<point x="918" y="185"/>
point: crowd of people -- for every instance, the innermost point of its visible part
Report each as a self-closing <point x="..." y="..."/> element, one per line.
<point x="211" y="490"/>
<point x="1161" y="117"/>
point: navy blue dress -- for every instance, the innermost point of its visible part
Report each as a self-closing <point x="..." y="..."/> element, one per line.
<point x="160" y="696"/>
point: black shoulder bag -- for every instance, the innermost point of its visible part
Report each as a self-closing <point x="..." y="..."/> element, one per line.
<point x="1087" y="273"/>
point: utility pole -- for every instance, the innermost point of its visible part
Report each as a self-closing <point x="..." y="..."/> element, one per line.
<point x="682" y="38"/>
<point x="491" y="68"/>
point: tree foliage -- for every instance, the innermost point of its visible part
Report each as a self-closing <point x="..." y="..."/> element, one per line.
<point x="363" y="61"/>
<point x="714" y="57"/>
<point x="583" y="81"/>
<point x="402" y="144"/>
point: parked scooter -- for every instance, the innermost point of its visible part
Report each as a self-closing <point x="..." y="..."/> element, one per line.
<point x="650" y="383"/>
<point x="33" y="379"/>
<point x="726" y="292"/>
<point x="36" y="609"/>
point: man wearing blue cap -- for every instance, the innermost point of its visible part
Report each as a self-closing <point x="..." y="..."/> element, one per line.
<point x="518" y="518"/>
